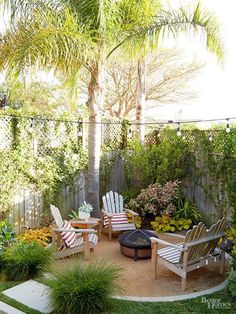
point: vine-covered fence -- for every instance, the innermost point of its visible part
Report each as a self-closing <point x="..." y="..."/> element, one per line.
<point x="49" y="155"/>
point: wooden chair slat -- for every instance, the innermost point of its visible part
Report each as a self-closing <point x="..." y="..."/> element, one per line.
<point x="121" y="203"/>
<point x="112" y="202"/>
<point x="109" y="203"/>
<point x="105" y="205"/>
<point x="117" y="203"/>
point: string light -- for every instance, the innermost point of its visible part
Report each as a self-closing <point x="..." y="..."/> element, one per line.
<point x="178" y="130"/>
<point x="227" y="126"/>
<point x="80" y="133"/>
<point x="159" y="134"/>
<point x="210" y="137"/>
<point x="129" y="133"/>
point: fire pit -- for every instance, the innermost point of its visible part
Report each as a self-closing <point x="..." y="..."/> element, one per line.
<point x="136" y="244"/>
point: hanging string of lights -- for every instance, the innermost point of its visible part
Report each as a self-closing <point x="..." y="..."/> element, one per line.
<point x="155" y="123"/>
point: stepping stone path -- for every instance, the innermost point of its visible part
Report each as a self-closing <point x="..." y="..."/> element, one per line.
<point x="7" y="309"/>
<point x="32" y="294"/>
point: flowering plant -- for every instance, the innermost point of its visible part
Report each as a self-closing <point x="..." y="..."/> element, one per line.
<point x="156" y="199"/>
<point x="42" y="236"/>
<point x="85" y="208"/>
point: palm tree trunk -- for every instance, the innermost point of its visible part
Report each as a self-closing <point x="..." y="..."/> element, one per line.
<point x="141" y="99"/>
<point x="95" y="103"/>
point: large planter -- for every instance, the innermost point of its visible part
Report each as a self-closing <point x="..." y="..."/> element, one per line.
<point x="84" y="216"/>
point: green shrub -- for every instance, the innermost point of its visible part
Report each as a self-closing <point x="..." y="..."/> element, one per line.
<point x="156" y="199"/>
<point x="25" y="260"/>
<point x="185" y="209"/>
<point x="7" y="234"/>
<point x="84" y="289"/>
<point x="165" y="223"/>
<point x="232" y="284"/>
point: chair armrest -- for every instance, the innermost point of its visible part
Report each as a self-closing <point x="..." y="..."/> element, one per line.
<point x="105" y="213"/>
<point x="153" y="240"/>
<point x="131" y="212"/>
<point x="75" y="230"/>
<point x="174" y="235"/>
<point x="82" y="222"/>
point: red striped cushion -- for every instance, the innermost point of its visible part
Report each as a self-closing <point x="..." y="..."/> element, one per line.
<point x="120" y="218"/>
<point x="68" y="237"/>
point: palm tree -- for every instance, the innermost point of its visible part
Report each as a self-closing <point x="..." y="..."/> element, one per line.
<point x="66" y="36"/>
<point x="70" y="35"/>
<point x="182" y="20"/>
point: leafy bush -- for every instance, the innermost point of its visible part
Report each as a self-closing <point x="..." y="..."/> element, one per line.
<point x="167" y="161"/>
<point x="184" y="209"/>
<point x="25" y="260"/>
<point x="156" y="199"/>
<point x="138" y="220"/>
<point x="42" y="236"/>
<point x="229" y="244"/>
<point x="166" y="223"/>
<point x="7" y="234"/>
<point x="232" y="284"/>
<point x="84" y="289"/>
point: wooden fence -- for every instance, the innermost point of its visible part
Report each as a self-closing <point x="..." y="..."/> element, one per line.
<point x="28" y="205"/>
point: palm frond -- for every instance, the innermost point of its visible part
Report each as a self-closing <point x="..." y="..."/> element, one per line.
<point x="172" y="22"/>
<point x="47" y="39"/>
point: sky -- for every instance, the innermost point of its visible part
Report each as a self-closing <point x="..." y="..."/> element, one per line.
<point x="216" y="83"/>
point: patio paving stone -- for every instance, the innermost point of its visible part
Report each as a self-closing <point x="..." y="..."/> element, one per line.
<point x="32" y="294"/>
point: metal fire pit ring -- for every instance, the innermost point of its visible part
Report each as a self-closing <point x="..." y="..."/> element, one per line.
<point x="136" y="243"/>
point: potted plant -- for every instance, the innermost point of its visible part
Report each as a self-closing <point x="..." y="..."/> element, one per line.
<point x="85" y="210"/>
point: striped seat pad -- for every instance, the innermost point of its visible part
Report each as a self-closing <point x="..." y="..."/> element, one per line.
<point x="119" y="218"/>
<point x="170" y="254"/>
<point x="93" y="239"/>
<point x="73" y="239"/>
<point x="69" y="237"/>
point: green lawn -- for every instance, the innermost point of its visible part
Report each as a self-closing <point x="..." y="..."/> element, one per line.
<point x="128" y="307"/>
<point x="188" y="306"/>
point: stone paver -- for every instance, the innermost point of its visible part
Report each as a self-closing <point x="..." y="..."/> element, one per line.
<point x="32" y="294"/>
<point x="7" y="309"/>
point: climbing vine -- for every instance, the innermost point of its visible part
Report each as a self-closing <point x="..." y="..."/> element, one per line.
<point x="36" y="160"/>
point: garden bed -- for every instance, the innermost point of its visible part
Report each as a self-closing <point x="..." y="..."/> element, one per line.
<point x="138" y="277"/>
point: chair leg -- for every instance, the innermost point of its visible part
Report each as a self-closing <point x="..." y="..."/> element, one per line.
<point x="86" y="247"/>
<point x="183" y="284"/>
<point x="110" y="232"/>
<point x="222" y="262"/>
<point x="154" y="259"/>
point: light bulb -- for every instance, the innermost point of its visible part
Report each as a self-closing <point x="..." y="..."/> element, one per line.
<point x="227" y="128"/>
<point x="178" y="130"/>
<point x="210" y="138"/>
<point x="80" y="134"/>
<point x="184" y="137"/>
<point x="130" y="133"/>
<point x="158" y="134"/>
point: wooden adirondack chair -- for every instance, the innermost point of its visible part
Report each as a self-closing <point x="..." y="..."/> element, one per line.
<point x="197" y="250"/>
<point x="69" y="241"/>
<point x="115" y="215"/>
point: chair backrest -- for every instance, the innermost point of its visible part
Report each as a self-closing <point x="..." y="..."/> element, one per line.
<point x="56" y="216"/>
<point x="113" y="203"/>
<point x="200" y="232"/>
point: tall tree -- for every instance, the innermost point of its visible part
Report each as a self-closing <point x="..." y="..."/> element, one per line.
<point x="173" y="22"/>
<point x="68" y="35"/>
<point x="168" y="80"/>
